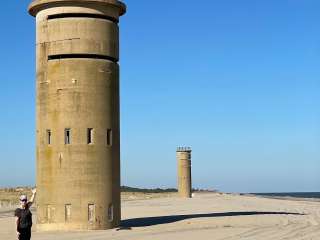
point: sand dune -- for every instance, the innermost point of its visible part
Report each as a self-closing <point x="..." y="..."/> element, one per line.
<point x="206" y="216"/>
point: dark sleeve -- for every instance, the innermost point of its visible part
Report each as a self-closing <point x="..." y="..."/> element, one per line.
<point x="17" y="212"/>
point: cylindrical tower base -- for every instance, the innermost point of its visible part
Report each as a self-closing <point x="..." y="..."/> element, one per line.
<point x="78" y="116"/>
<point x="184" y="172"/>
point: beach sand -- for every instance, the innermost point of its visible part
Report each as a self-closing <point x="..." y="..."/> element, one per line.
<point x="206" y="216"/>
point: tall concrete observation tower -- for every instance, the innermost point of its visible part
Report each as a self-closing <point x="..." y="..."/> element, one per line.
<point x="78" y="135"/>
<point x="184" y="172"/>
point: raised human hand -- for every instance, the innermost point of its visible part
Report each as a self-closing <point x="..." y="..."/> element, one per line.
<point x="34" y="191"/>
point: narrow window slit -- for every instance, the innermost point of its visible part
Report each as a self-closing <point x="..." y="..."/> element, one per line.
<point x="49" y="137"/>
<point x="67" y="136"/>
<point x="91" y="213"/>
<point x="82" y="55"/>
<point x="67" y="213"/>
<point x="50" y="213"/>
<point x="109" y="137"/>
<point x="110" y="213"/>
<point x="90" y="135"/>
<point x="82" y="15"/>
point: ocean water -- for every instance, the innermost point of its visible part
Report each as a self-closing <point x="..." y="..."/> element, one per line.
<point x="291" y="194"/>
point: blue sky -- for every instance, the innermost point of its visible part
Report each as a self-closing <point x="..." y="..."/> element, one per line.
<point x="238" y="81"/>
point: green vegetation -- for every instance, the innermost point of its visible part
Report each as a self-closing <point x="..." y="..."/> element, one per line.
<point x="146" y="190"/>
<point x="159" y="190"/>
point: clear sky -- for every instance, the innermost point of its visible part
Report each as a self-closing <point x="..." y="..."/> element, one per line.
<point x="238" y="81"/>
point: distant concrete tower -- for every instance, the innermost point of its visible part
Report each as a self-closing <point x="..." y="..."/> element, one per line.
<point x="78" y="135"/>
<point x="184" y="172"/>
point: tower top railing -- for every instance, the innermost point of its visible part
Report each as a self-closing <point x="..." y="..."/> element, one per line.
<point x="184" y="149"/>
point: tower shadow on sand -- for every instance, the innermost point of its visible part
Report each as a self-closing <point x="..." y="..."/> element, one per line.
<point x="151" y="221"/>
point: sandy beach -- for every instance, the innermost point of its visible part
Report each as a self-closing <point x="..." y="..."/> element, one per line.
<point x="206" y="216"/>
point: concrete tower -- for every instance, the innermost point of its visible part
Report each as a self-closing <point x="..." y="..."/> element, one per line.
<point x="184" y="171"/>
<point x="78" y="135"/>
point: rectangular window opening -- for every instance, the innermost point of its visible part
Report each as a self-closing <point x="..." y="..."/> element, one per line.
<point x="90" y="135"/>
<point x="109" y="137"/>
<point x="48" y="136"/>
<point x="67" y="213"/>
<point x="91" y="213"/>
<point x="67" y="136"/>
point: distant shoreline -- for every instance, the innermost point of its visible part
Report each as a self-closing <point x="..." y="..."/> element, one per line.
<point x="294" y="196"/>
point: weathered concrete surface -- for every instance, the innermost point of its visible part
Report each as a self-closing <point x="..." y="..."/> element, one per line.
<point x="184" y="172"/>
<point x="77" y="89"/>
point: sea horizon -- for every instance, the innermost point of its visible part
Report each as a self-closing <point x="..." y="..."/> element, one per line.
<point x="290" y="194"/>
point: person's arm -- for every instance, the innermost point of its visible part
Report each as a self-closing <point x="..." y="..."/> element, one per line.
<point x="34" y="191"/>
<point x="17" y="220"/>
